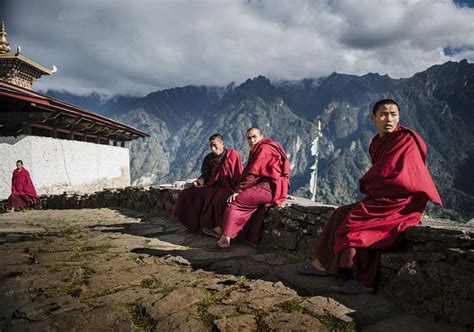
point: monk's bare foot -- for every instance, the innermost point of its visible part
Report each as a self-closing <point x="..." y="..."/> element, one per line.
<point x="224" y="242"/>
<point x="318" y="266"/>
<point x="11" y="210"/>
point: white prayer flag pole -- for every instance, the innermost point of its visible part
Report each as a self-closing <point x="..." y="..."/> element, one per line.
<point x="315" y="152"/>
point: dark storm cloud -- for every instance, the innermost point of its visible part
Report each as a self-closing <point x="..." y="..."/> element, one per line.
<point x="141" y="46"/>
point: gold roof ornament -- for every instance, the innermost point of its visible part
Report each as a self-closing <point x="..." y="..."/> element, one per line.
<point x="4" y="45"/>
<point x="16" y="68"/>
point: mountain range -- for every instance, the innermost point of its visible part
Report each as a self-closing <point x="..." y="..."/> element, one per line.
<point x="438" y="103"/>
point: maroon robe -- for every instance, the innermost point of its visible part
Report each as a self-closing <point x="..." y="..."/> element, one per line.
<point x="267" y="174"/>
<point x="199" y="207"/>
<point x="397" y="188"/>
<point x="23" y="191"/>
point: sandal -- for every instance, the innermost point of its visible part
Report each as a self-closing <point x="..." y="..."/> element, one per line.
<point x="353" y="287"/>
<point x="217" y="248"/>
<point x="211" y="232"/>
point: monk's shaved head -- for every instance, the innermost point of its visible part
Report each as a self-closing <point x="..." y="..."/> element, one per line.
<point x="216" y="137"/>
<point x="254" y="128"/>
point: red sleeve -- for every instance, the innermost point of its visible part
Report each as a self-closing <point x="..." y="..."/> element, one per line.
<point x="249" y="181"/>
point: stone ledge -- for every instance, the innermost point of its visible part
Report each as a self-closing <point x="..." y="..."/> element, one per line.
<point x="447" y="233"/>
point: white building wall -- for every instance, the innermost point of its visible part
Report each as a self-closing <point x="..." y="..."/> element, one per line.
<point x="58" y="165"/>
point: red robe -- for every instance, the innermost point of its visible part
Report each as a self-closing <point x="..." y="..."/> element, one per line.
<point x="23" y="191"/>
<point x="199" y="207"/>
<point x="268" y="163"/>
<point x="397" y="188"/>
<point x="267" y="159"/>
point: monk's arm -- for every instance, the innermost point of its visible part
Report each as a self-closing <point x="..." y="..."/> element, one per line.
<point x="249" y="181"/>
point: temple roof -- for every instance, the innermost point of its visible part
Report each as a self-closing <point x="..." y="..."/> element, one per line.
<point x="19" y="105"/>
<point x="16" y="68"/>
<point x="42" y="69"/>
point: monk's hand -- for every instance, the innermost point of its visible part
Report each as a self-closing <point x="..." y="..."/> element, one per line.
<point x="232" y="197"/>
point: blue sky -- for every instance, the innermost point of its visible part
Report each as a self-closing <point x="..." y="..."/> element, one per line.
<point x="135" y="47"/>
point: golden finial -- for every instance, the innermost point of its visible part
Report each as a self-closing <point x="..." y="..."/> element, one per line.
<point x="4" y="46"/>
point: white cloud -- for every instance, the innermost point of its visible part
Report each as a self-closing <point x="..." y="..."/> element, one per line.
<point x="143" y="45"/>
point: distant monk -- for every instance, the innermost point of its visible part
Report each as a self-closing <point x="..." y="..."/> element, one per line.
<point x="23" y="191"/>
<point x="202" y="203"/>
<point x="396" y="187"/>
<point x="265" y="181"/>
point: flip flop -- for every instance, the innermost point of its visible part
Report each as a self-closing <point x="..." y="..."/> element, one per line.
<point x="309" y="269"/>
<point x="211" y="232"/>
<point x="217" y="248"/>
<point x="353" y="287"/>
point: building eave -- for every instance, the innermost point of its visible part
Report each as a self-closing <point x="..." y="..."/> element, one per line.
<point x="31" y="63"/>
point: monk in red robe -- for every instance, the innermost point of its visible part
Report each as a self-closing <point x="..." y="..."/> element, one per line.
<point x="265" y="181"/>
<point x="396" y="187"/>
<point x="201" y="205"/>
<point x="23" y="191"/>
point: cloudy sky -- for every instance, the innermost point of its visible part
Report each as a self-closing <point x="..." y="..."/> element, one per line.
<point x="140" y="46"/>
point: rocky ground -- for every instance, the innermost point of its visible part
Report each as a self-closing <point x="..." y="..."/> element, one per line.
<point x="103" y="269"/>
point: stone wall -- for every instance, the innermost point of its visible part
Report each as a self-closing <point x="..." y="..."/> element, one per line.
<point x="58" y="165"/>
<point x="431" y="274"/>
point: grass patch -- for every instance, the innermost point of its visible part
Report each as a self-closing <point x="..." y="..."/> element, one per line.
<point x="148" y="283"/>
<point x="202" y="313"/>
<point x="166" y="289"/>
<point x="332" y="322"/>
<point x="81" y="278"/>
<point x="290" y="306"/>
<point x="157" y="287"/>
<point x="195" y="282"/>
<point x="259" y="319"/>
<point x="183" y="269"/>
<point x="242" y="280"/>
<point x="73" y="289"/>
<point x="140" y="317"/>
<point x="57" y="267"/>
<point x="86" y="274"/>
<point x="146" y="243"/>
<point x="337" y="324"/>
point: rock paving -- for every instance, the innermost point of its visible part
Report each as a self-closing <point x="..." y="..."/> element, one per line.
<point x="116" y="269"/>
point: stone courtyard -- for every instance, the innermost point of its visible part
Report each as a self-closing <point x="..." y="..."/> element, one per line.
<point x="123" y="270"/>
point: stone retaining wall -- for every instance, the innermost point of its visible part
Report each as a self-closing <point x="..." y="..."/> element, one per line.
<point x="431" y="274"/>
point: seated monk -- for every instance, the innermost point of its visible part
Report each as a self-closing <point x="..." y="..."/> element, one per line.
<point x="265" y="180"/>
<point x="23" y="191"/>
<point x="202" y="204"/>
<point x="396" y="187"/>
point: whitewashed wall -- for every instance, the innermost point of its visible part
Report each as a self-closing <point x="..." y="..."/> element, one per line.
<point x="58" y="165"/>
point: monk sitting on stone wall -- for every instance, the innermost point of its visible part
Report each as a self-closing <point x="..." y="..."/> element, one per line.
<point x="396" y="188"/>
<point x="23" y="191"/>
<point x="265" y="181"/>
<point x="201" y="205"/>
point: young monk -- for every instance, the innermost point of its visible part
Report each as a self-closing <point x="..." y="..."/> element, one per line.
<point x="23" y="191"/>
<point x="202" y="204"/>
<point x="396" y="187"/>
<point x="265" y="181"/>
